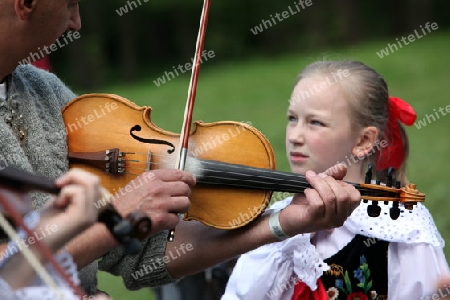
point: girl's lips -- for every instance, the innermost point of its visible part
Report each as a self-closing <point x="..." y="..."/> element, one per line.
<point x="298" y="157"/>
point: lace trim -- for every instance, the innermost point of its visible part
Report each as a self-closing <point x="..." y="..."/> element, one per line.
<point x="307" y="263"/>
<point x="412" y="227"/>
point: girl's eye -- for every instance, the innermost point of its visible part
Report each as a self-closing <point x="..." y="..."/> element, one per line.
<point x="317" y="123"/>
<point x="292" y="119"/>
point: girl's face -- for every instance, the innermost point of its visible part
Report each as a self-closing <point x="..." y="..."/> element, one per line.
<point x="318" y="133"/>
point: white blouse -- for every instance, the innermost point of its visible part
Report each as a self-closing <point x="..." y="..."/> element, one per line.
<point x="415" y="256"/>
<point x="37" y="290"/>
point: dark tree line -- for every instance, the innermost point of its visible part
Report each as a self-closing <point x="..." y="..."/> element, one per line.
<point x="153" y="33"/>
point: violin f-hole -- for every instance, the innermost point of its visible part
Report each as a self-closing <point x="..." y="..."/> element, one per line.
<point x="150" y="141"/>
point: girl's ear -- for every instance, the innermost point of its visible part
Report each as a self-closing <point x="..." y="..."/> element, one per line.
<point x="24" y="8"/>
<point x="366" y="141"/>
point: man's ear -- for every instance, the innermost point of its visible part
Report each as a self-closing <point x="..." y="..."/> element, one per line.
<point x="24" y="8"/>
<point x="366" y="140"/>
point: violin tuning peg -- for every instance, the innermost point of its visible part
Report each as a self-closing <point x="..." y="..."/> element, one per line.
<point x="394" y="211"/>
<point x="373" y="210"/>
<point x="390" y="176"/>
<point x="377" y="182"/>
<point x="368" y="177"/>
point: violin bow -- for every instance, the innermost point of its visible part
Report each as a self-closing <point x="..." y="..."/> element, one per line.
<point x="192" y="92"/>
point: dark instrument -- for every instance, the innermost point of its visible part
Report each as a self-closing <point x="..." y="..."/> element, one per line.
<point x="14" y="203"/>
<point x="125" y="231"/>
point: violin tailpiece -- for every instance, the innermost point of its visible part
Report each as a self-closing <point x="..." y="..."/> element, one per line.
<point x="109" y="161"/>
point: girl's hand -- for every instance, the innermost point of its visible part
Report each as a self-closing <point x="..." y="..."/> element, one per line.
<point x="326" y="206"/>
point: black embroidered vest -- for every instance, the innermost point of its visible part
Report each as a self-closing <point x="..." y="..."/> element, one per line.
<point x="358" y="271"/>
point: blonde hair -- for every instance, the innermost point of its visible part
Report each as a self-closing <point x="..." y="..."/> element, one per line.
<point x="368" y="95"/>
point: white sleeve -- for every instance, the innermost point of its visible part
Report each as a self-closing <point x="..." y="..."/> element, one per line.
<point x="414" y="270"/>
<point x="35" y="293"/>
<point x="38" y="290"/>
<point x="272" y="270"/>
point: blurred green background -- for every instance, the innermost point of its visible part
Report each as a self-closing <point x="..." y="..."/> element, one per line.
<point x="251" y="76"/>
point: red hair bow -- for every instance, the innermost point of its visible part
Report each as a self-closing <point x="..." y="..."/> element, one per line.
<point x="393" y="154"/>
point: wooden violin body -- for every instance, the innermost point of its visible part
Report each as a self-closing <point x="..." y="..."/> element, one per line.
<point x="115" y="139"/>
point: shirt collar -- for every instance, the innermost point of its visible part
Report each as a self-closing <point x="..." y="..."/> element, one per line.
<point x="3" y="90"/>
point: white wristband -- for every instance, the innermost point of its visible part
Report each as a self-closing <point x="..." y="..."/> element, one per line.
<point x="275" y="226"/>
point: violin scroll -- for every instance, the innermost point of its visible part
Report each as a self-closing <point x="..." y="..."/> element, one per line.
<point x="409" y="196"/>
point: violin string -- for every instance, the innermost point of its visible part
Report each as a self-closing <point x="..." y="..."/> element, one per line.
<point x="296" y="177"/>
<point x="297" y="181"/>
<point x="300" y="178"/>
<point x="293" y="185"/>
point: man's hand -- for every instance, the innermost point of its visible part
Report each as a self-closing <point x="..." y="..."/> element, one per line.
<point x="162" y="194"/>
<point x="326" y="206"/>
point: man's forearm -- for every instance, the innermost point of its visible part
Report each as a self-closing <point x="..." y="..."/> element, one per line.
<point x="197" y="247"/>
<point x="91" y="245"/>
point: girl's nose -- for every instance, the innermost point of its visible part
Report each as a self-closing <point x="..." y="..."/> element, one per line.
<point x="296" y="135"/>
<point x="75" y="20"/>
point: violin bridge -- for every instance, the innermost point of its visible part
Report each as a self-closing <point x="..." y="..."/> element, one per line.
<point x="148" y="162"/>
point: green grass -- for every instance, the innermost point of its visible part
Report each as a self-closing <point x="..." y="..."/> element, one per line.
<point x="257" y="91"/>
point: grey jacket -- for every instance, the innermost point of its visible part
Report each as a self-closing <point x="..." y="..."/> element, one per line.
<point x="38" y="97"/>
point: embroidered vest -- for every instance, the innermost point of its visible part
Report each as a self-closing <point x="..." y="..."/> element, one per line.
<point x="358" y="271"/>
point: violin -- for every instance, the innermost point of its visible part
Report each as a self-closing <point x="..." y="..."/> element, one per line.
<point x="233" y="162"/>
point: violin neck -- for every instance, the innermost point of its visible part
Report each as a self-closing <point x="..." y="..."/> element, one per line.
<point x="214" y="173"/>
<point x="240" y="176"/>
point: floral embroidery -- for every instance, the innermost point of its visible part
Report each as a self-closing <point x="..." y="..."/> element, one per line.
<point x="357" y="296"/>
<point x="362" y="275"/>
<point x="332" y="293"/>
<point x="335" y="270"/>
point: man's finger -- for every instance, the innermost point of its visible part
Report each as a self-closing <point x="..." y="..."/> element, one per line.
<point x="170" y="175"/>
